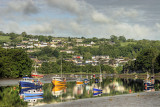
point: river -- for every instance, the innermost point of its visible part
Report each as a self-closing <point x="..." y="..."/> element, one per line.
<point x="110" y="86"/>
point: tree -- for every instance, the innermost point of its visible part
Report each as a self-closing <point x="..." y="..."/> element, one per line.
<point x="87" y="55"/>
<point x="1" y="33"/>
<point x="113" y="38"/>
<point x="146" y="59"/>
<point x="157" y="64"/>
<point x="69" y="39"/>
<point x="122" y="39"/>
<point x="49" y="38"/>
<point x="14" y="63"/>
<point x="47" y="50"/>
<point x="24" y="34"/>
<point x="56" y="53"/>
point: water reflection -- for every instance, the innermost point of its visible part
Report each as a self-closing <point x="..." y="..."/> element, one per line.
<point x="58" y="90"/>
<point x="149" y="85"/>
<point x="31" y="95"/>
<point x="73" y="91"/>
<point x="78" y="89"/>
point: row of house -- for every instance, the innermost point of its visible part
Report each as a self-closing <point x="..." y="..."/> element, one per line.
<point x="86" y="45"/>
<point x="103" y="59"/>
<point x="35" y="43"/>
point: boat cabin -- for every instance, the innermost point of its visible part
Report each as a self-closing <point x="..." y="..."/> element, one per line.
<point x="59" y="78"/>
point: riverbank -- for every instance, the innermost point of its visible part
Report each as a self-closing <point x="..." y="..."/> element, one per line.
<point x="144" y="99"/>
<point x="72" y="77"/>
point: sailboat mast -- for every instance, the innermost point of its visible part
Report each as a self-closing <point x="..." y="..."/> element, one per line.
<point x="61" y="67"/>
<point x="36" y="65"/>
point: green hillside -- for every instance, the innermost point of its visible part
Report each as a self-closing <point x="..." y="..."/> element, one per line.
<point x="5" y="38"/>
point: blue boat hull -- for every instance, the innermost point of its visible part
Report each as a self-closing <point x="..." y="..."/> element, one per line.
<point x="30" y="84"/>
<point x="94" y="94"/>
<point x="33" y="94"/>
<point x="95" y="89"/>
<point x="25" y="89"/>
<point x="36" y="97"/>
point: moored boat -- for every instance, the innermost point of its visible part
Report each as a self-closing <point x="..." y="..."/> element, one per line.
<point x="28" y="82"/>
<point x="35" y="75"/>
<point x="58" y="81"/>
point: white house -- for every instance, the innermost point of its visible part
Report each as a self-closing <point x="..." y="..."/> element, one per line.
<point x="69" y="51"/>
<point x="30" y="46"/>
<point x="53" y="45"/>
<point x="43" y="45"/>
<point x="92" y="43"/>
<point x="33" y="40"/>
<point x="79" y="40"/>
<point x="36" y="44"/>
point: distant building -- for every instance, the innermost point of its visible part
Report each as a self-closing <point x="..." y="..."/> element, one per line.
<point x="67" y="51"/>
<point x="30" y="46"/>
<point x="103" y="57"/>
<point x="78" y="57"/>
<point x="36" y="44"/>
<point x="33" y="40"/>
<point x="79" y="40"/>
<point x="24" y="41"/>
<point x="92" y="43"/>
<point x="53" y="45"/>
<point x="20" y="46"/>
<point x="87" y="45"/>
<point x="79" y="44"/>
<point x="43" y="44"/>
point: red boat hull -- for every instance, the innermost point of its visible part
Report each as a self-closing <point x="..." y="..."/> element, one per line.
<point x="33" y="75"/>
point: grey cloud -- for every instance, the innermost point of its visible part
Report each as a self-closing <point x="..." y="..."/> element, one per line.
<point x="26" y="7"/>
<point x="100" y="18"/>
<point x="30" y="8"/>
<point x="83" y="11"/>
<point x="66" y="5"/>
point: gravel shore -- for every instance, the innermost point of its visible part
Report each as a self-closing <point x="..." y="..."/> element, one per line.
<point x="144" y="99"/>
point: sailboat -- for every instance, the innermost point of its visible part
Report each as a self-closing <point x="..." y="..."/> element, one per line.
<point x="35" y="74"/>
<point x="59" y="81"/>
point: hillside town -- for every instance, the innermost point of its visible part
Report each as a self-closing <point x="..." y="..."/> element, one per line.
<point x="33" y="45"/>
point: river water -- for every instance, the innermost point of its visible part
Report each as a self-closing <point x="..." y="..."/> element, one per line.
<point x="10" y="94"/>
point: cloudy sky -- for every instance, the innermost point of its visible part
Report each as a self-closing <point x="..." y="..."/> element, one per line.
<point x="137" y="19"/>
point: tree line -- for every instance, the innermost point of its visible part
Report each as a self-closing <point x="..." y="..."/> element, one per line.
<point x="14" y="63"/>
<point x="148" y="60"/>
<point x="69" y="67"/>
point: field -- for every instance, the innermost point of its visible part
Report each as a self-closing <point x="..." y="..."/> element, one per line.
<point x="126" y="43"/>
<point x="5" y="39"/>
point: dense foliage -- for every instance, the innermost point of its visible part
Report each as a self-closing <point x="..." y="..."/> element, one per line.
<point x="68" y="67"/>
<point x="147" y="61"/>
<point x="9" y="97"/>
<point x="14" y="63"/>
